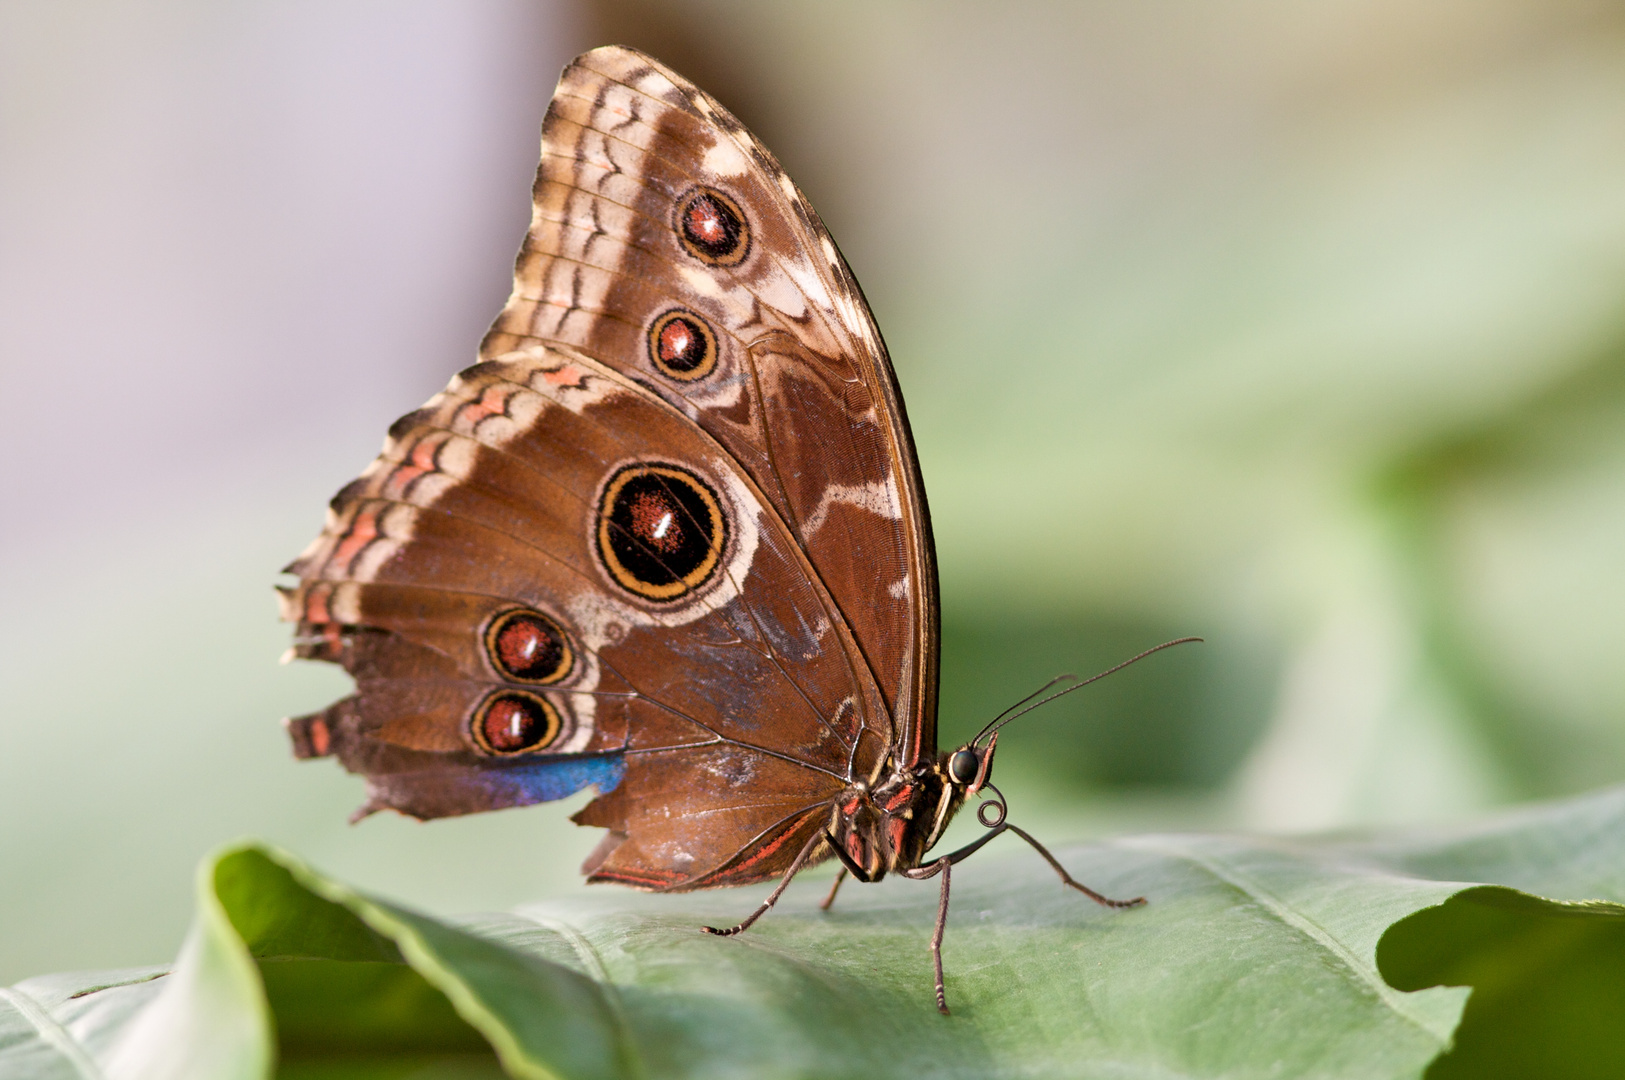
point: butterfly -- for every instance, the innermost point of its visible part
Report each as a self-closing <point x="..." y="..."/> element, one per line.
<point x="667" y="538"/>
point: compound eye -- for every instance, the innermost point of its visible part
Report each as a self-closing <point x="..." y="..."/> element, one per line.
<point x="963" y="766"/>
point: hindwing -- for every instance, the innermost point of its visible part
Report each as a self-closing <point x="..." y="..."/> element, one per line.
<point x="668" y="538"/>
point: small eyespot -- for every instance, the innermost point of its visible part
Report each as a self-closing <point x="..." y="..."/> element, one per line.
<point x="712" y="228"/>
<point x="963" y="766"/>
<point x="514" y="722"/>
<point x="660" y="531"/>
<point x="526" y="646"/>
<point x="682" y="346"/>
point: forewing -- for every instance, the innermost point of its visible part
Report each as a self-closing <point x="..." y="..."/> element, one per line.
<point x="762" y="337"/>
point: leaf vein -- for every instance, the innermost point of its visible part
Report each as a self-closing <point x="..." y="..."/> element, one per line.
<point x="1366" y="974"/>
<point x="594" y="964"/>
<point x="52" y="1032"/>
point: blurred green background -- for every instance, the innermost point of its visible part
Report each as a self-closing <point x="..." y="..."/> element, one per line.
<point x="1296" y="326"/>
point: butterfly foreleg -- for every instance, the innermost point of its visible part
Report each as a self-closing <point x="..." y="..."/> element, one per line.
<point x="1105" y="901"/>
<point x="772" y="897"/>
<point x="930" y="869"/>
<point x="943" y="866"/>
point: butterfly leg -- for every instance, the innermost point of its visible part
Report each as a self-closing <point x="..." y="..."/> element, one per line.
<point x="833" y="889"/>
<point x="943" y="866"/>
<point x="960" y="854"/>
<point x="1104" y="901"/>
<point x="773" y="897"/>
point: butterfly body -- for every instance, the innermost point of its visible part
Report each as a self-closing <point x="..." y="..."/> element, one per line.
<point x="890" y="827"/>
<point x="667" y="539"/>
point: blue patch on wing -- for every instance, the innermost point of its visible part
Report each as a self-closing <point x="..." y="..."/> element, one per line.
<point x="554" y="778"/>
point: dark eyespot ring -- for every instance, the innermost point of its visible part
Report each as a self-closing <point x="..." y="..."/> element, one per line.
<point x="682" y="346"/>
<point x="527" y="646"/>
<point x="712" y="227"/>
<point x="660" y="531"/>
<point x="515" y="722"/>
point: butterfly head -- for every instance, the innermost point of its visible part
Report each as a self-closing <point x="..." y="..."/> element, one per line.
<point x="969" y="766"/>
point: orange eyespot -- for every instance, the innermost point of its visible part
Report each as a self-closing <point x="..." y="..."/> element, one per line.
<point x="713" y="228"/>
<point x="526" y="646"/>
<point x="661" y="531"/>
<point x="682" y="346"/>
<point x="514" y="722"/>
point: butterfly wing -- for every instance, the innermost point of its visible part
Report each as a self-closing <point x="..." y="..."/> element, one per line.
<point x="668" y="539"/>
<point x="763" y="337"/>
<point x="514" y="640"/>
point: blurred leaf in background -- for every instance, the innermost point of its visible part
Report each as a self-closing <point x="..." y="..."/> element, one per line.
<point x="1294" y="327"/>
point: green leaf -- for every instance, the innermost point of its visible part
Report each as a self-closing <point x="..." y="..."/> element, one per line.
<point x="1331" y="957"/>
<point x="63" y="1025"/>
<point x="349" y="976"/>
<point x="1548" y="979"/>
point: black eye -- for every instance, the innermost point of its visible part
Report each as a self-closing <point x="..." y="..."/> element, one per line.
<point x="962" y="767"/>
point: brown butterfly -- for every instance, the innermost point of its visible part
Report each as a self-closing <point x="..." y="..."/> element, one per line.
<point x="668" y="537"/>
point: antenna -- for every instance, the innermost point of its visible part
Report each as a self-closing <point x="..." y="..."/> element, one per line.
<point x="1018" y="708"/>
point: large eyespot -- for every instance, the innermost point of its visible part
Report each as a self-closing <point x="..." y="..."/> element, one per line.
<point x="712" y="227"/>
<point x="527" y="646"/>
<point x="660" y="531"/>
<point x="963" y="766"/>
<point x="515" y="722"/>
<point x="682" y="345"/>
